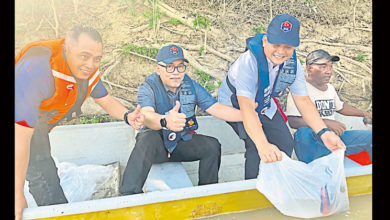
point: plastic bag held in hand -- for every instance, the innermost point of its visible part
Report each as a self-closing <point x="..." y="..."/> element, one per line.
<point x="305" y="190"/>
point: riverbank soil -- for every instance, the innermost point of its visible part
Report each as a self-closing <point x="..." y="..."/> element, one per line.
<point x="212" y="32"/>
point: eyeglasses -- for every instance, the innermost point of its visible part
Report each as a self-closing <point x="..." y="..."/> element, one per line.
<point x="171" y="68"/>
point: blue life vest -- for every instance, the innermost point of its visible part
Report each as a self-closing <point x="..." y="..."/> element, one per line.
<point x="286" y="76"/>
<point x="187" y="99"/>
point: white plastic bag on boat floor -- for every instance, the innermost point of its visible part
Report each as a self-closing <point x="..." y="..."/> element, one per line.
<point x="305" y="190"/>
<point x="85" y="182"/>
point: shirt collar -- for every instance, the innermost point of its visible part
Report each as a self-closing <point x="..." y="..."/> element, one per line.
<point x="271" y="65"/>
<point x="169" y="91"/>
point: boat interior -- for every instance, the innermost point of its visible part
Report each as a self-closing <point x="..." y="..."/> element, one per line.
<point x="109" y="143"/>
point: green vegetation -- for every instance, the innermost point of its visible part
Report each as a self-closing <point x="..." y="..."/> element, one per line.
<point x="201" y="50"/>
<point x="95" y="119"/>
<point x="301" y="60"/>
<point x="142" y="50"/>
<point x="154" y="16"/>
<point x="174" y="21"/>
<point x="260" y="29"/>
<point x="202" y="22"/>
<point x="207" y="81"/>
<point x="361" y="57"/>
<point x="103" y="62"/>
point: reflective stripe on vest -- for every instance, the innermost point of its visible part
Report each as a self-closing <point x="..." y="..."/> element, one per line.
<point x="66" y="93"/>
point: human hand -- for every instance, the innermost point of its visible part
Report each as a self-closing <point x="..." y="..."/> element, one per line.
<point x="136" y="118"/>
<point x="332" y="141"/>
<point x="269" y="153"/>
<point x="367" y="114"/>
<point x="20" y="204"/>
<point x="367" y="118"/>
<point x="175" y="120"/>
<point x="335" y="126"/>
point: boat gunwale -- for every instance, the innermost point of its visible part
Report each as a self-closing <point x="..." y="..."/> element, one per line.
<point x="142" y="199"/>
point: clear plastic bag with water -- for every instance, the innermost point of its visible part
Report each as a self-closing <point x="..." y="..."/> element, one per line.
<point x="305" y="190"/>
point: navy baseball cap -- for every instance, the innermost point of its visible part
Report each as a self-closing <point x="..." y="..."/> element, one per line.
<point x="284" y="29"/>
<point x="170" y="53"/>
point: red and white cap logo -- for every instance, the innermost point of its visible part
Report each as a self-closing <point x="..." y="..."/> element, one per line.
<point x="286" y="26"/>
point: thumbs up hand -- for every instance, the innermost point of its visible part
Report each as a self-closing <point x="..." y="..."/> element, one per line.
<point x="176" y="108"/>
<point x="175" y="120"/>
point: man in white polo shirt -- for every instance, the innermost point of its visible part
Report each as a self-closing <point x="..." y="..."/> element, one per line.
<point x="319" y="66"/>
<point x="264" y="71"/>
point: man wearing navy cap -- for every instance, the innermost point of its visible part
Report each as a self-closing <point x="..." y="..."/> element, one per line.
<point x="265" y="70"/>
<point x="168" y="99"/>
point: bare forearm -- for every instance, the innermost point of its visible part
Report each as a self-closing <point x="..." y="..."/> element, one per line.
<point x="349" y="110"/>
<point x="112" y="106"/>
<point x="225" y="112"/>
<point x="251" y="121"/>
<point x="22" y="155"/>
<point x="311" y="116"/>
<point x="296" y="122"/>
<point x="267" y="152"/>
<point x="254" y="128"/>
<point x="152" y="119"/>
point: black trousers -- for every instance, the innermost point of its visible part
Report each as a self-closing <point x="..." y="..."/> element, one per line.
<point x="44" y="183"/>
<point x="276" y="132"/>
<point x="149" y="149"/>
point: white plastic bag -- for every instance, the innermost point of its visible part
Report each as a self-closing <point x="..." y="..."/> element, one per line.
<point x="79" y="183"/>
<point x="305" y="190"/>
<point x="85" y="182"/>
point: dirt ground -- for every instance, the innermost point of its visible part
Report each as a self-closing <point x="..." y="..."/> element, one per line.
<point x="342" y="27"/>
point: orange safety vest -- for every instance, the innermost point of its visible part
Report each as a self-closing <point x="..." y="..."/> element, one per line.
<point x="65" y="84"/>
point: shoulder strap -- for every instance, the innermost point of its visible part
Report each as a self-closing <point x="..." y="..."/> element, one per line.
<point x="160" y="96"/>
<point x="263" y="97"/>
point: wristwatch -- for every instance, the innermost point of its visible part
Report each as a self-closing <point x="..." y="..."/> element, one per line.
<point x="322" y="131"/>
<point x="125" y="117"/>
<point x="163" y="122"/>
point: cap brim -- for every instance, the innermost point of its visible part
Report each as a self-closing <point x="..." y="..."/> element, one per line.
<point x="325" y="60"/>
<point x="335" y="58"/>
<point x="290" y="43"/>
<point x="283" y="40"/>
<point x="171" y="60"/>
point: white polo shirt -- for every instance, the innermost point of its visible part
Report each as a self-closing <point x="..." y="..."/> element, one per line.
<point x="243" y="75"/>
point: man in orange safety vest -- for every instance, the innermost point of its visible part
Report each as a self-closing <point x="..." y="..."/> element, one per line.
<point x="52" y="80"/>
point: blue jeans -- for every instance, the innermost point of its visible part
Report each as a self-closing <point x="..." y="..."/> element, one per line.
<point x="310" y="147"/>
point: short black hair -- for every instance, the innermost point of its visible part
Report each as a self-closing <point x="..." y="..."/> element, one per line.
<point x="78" y="29"/>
